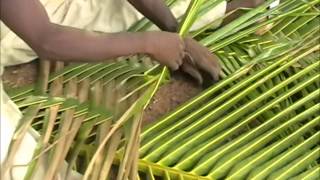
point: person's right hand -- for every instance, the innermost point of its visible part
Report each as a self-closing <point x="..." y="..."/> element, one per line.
<point x="167" y="48"/>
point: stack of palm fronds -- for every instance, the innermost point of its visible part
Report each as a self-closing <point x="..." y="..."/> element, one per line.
<point x="261" y="121"/>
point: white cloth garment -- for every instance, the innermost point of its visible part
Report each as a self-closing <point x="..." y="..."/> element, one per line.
<point x="92" y="15"/>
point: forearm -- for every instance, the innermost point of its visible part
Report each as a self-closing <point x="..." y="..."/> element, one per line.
<point x="69" y="44"/>
<point x="29" y="20"/>
<point x="157" y="12"/>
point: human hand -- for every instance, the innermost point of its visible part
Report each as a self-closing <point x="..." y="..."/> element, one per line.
<point x="167" y="48"/>
<point x="199" y="58"/>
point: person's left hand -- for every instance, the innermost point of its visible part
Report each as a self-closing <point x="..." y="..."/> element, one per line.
<point x="199" y="58"/>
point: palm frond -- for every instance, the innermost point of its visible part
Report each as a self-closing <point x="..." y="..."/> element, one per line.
<point x="259" y="122"/>
<point x="266" y="108"/>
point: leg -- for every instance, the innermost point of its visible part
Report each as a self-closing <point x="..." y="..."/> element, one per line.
<point x="235" y="5"/>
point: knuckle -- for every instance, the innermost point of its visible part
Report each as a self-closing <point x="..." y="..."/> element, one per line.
<point x="174" y="67"/>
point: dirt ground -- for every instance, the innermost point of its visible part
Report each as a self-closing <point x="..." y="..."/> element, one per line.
<point x="171" y="95"/>
<point x="20" y="75"/>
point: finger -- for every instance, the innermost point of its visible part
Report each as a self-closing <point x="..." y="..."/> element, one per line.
<point x="211" y="66"/>
<point x="214" y="72"/>
<point x="189" y="58"/>
<point x="193" y="72"/>
<point x="182" y="45"/>
<point x="214" y="60"/>
<point x="180" y="59"/>
<point x="182" y="52"/>
<point x="174" y="66"/>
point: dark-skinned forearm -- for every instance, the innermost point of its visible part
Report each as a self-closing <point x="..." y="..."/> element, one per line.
<point x="56" y="42"/>
<point x="157" y="12"/>
<point x="70" y="44"/>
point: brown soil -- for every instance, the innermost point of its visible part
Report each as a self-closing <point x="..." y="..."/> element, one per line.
<point x="179" y="90"/>
<point x="20" y="75"/>
<point x="171" y="95"/>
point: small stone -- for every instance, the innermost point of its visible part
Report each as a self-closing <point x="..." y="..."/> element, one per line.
<point x="14" y="72"/>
